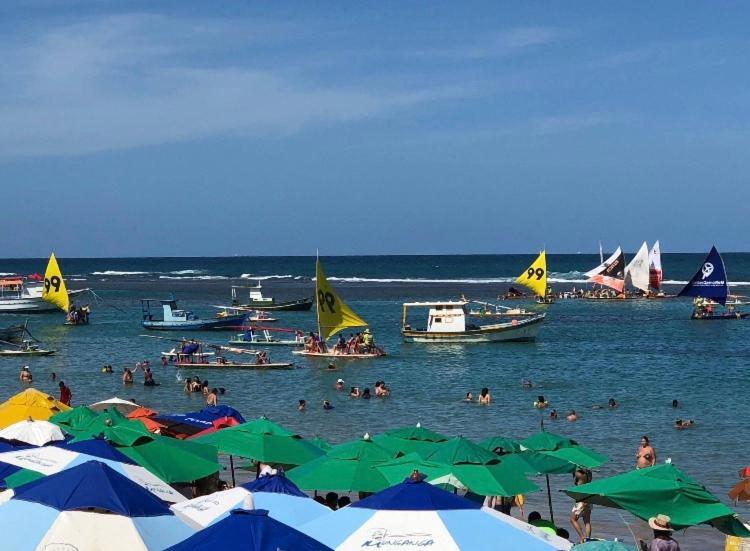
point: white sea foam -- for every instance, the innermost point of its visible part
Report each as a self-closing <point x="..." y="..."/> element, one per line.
<point x="118" y="273"/>
<point x="195" y="277"/>
<point x="274" y="276"/>
<point x="3" y="274"/>
<point x="188" y="272"/>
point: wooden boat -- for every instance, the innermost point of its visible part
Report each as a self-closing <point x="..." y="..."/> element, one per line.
<point x="259" y="316"/>
<point x="535" y="278"/>
<point x="448" y="322"/>
<point x="256" y="300"/>
<point x="222" y="363"/>
<point x="610" y="273"/>
<point x="191" y="354"/>
<point x="335" y="315"/>
<point x="253" y="337"/>
<point x="710" y="289"/>
<point x="13" y="334"/>
<point x="19" y="295"/>
<point x="174" y="319"/>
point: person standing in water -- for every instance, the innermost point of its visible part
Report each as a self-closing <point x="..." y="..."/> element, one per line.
<point x="581" y="509"/>
<point x="645" y="456"/>
<point x="65" y="394"/>
<point x="484" y="396"/>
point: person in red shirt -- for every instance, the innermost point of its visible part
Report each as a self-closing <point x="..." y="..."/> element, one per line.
<point x="65" y="394"/>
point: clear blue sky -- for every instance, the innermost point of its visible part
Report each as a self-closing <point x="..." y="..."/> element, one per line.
<point x="227" y="127"/>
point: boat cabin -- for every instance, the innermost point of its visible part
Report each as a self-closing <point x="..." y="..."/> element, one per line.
<point x="170" y="312"/>
<point x="443" y="317"/>
<point x="254" y="294"/>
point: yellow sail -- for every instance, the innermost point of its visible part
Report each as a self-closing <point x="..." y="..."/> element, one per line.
<point x="333" y="314"/>
<point x="535" y="276"/>
<point x="54" y="286"/>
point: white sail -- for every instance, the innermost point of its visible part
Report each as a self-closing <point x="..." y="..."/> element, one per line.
<point x="637" y="271"/>
<point x="654" y="264"/>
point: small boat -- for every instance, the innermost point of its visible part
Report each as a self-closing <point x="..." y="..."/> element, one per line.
<point x="26" y="348"/>
<point x="512" y="293"/>
<point x="13" y="334"/>
<point x="256" y="300"/>
<point x="535" y="278"/>
<point x="174" y="319"/>
<point x="610" y="273"/>
<point x="710" y="289"/>
<point x="260" y="316"/>
<point x="21" y="295"/>
<point x="192" y="355"/>
<point x="335" y="315"/>
<point x="263" y="337"/>
<point x="449" y="322"/>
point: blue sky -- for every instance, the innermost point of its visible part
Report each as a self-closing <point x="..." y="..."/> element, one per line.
<point x="220" y="128"/>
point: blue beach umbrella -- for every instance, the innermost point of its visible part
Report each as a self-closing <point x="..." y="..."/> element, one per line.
<point x="246" y="530"/>
<point x="49" y="460"/>
<point x="89" y="507"/>
<point x="274" y="492"/>
<point x="417" y="515"/>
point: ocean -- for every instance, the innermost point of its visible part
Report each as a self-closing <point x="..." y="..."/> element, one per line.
<point x="642" y="353"/>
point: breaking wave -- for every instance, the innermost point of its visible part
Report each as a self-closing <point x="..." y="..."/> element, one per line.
<point x="118" y="273"/>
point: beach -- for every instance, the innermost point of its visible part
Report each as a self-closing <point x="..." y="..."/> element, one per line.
<point x="642" y="353"/>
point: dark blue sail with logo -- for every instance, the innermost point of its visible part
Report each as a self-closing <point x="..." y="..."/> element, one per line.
<point x="710" y="281"/>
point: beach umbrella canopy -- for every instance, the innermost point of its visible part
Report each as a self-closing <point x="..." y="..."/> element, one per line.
<point x="416" y="515"/>
<point x="29" y="404"/>
<point x="603" y="545"/>
<point x="73" y="418"/>
<point x="481" y="471"/>
<point x="500" y="445"/>
<point x="273" y="492"/>
<point x="318" y="442"/>
<point x="195" y="422"/>
<point x="84" y="426"/>
<point x="348" y="467"/>
<point x="122" y="406"/>
<point x="36" y="433"/>
<point x="49" y="460"/>
<point x="170" y="459"/>
<point x="410" y="439"/>
<point x="562" y="448"/>
<point x="262" y="440"/>
<point x="252" y="530"/>
<point x="88" y="507"/>
<point x="396" y="470"/>
<point x="661" y="489"/>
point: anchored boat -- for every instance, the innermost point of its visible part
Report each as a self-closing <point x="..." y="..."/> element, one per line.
<point x="535" y="278"/>
<point x="174" y="319"/>
<point x="192" y="354"/>
<point x="450" y="321"/>
<point x="710" y="289"/>
<point x="261" y="336"/>
<point x="256" y="300"/>
<point x="333" y="316"/>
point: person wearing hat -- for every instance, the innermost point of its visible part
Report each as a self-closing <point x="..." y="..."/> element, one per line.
<point x="339" y="384"/>
<point x="663" y="540"/>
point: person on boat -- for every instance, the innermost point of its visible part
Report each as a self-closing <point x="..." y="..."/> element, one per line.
<point x="484" y="397"/>
<point x="350" y="343"/>
<point x="339" y="384"/>
<point x="366" y="394"/>
<point x="212" y="399"/>
<point x="469" y="397"/>
<point x="340" y="347"/>
<point x="679" y="424"/>
<point x="65" y="394"/>
<point x="127" y="376"/>
<point x="572" y="416"/>
<point x="553" y="415"/>
<point x="540" y="403"/>
<point x="354" y="392"/>
<point x="25" y="375"/>
<point x="301" y="405"/>
<point x="367" y="341"/>
<point x="581" y="510"/>
<point x="645" y="456"/>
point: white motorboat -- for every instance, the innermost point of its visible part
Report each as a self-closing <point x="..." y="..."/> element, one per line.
<point x="21" y="296"/>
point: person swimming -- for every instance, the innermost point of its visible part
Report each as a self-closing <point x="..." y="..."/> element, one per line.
<point x="540" y="402"/>
<point x="327" y="405"/>
<point x="572" y="416"/>
<point x="611" y="403"/>
<point x="553" y="415"/>
<point x="301" y="405"/>
<point x="366" y="394"/>
<point x="679" y="424"/>
<point x="484" y="396"/>
<point x="469" y="397"/>
<point x="526" y="383"/>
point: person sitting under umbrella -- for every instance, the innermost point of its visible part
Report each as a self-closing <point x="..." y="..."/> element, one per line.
<point x="663" y="540"/>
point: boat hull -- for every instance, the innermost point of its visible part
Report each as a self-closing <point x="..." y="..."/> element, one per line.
<point x="263" y="342"/>
<point x="226" y="323"/>
<point x="301" y="305"/>
<point x="17" y="353"/>
<point x="31" y="304"/>
<point x="231" y="365"/>
<point x="716" y="317"/>
<point x="522" y="331"/>
<point x="333" y="356"/>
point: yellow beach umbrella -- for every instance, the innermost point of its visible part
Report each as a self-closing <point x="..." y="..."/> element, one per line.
<point x="29" y="404"/>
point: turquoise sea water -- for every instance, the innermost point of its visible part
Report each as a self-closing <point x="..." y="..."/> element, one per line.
<point x="642" y="353"/>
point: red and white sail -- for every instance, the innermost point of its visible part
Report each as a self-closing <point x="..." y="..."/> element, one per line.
<point x="611" y="272"/>
<point x="637" y="270"/>
<point x="654" y="266"/>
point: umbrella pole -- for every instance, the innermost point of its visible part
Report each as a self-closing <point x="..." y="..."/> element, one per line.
<point x="231" y="466"/>
<point x="549" y="501"/>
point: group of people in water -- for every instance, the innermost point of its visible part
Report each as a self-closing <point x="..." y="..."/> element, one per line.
<point x="196" y="385"/>
<point x="78" y="316"/>
<point x="380" y="391"/>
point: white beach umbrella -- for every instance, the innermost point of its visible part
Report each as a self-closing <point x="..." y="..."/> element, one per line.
<point x="123" y="406"/>
<point x="36" y="433"/>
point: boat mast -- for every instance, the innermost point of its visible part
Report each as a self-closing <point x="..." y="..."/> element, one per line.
<point x="317" y="296"/>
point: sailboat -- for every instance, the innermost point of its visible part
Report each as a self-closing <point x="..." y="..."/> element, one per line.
<point x="54" y="292"/>
<point x="709" y="287"/>
<point x="655" y="274"/>
<point x="637" y="270"/>
<point x="335" y="315"/>
<point x="535" y="278"/>
<point x="610" y="273"/>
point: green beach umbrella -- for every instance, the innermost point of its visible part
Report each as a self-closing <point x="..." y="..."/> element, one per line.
<point x="410" y="439"/>
<point x="348" y="467"/>
<point x="501" y="443"/>
<point x="481" y="471"/>
<point x="397" y="470"/>
<point x="318" y="442"/>
<point x="661" y="489"/>
<point x="262" y="440"/>
<point x="85" y="427"/>
<point x="73" y="418"/>
<point x="560" y="447"/>
<point x="547" y="441"/>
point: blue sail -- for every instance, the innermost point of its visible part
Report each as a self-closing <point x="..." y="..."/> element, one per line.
<point x="710" y="281"/>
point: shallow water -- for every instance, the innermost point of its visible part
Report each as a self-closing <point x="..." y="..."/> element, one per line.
<point x="642" y="353"/>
